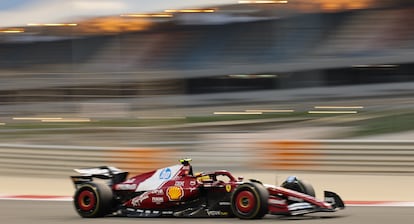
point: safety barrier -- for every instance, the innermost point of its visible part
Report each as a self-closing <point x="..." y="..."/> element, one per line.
<point x="337" y="155"/>
<point x="61" y="160"/>
<point x="358" y="156"/>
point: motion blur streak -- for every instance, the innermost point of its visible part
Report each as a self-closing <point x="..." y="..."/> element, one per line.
<point x="238" y="112"/>
<point x="320" y="88"/>
<point x="338" y="107"/>
<point x="141" y="160"/>
<point x="148" y="15"/>
<point x="190" y="10"/>
<point x="37" y="118"/>
<point x="66" y="120"/>
<point x="272" y="111"/>
<point x="263" y="2"/>
<point x="332" y="112"/>
<point x="52" y="24"/>
<point x="12" y="31"/>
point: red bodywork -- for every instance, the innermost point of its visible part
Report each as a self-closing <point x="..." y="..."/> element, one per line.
<point x="173" y="191"/>
<point x="178" y="188"/>
<point x="279" y="197"/>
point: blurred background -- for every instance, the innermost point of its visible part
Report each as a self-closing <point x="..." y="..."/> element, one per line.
<point x="298" y="85"/>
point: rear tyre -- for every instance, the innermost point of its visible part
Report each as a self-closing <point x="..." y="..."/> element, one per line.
<point x="93" y="200"/>
<point x="249" y="201"/>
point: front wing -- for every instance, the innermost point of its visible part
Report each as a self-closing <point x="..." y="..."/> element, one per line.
<point x="287" y="202"/>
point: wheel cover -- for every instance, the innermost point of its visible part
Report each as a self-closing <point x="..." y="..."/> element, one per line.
<point x="245" y="201"/>
<point x="86" y="200"/>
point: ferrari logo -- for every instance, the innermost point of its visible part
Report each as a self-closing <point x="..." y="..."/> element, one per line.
<point x="228" y="187"/>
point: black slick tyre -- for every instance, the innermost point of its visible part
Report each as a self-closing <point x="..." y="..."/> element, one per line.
<point x="250" y="201"/>
<point x="308" y="189"/>
<point x="93" y="200"/>
<point x="299" y="186"/>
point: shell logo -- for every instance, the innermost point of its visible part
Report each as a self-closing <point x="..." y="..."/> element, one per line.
<point x="175" y="193"/>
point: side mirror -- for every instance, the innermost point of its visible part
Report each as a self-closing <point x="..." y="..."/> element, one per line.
<point x="240" y="179"/>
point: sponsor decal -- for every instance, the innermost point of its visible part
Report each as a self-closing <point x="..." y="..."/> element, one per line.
<point x="179" y="183"/>
<point x="213" y="213"/>
<point x="158" y="178"/>
<point x="228" y="187"/>
<point x="224" y="203"/>
<point x="157" y="192"/>
<point x="157" y="200"/>
<point x="216" y="213"/>
<point x="175" y="193"/>
<point x="167" y="212"/>
<point x="193" y="182"/>
<point x="125" y="187"/>
<point x="165" y="174"/>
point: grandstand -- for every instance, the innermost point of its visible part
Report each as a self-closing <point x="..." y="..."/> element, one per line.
<point x="235" y="49"/>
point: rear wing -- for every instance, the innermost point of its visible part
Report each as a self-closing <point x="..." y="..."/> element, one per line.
<point x="113" y="174"/>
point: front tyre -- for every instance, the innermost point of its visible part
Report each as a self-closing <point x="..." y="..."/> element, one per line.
<point x="249" y="201"/>
<point x="293" y="183"/>
<point x="93" y="200"/>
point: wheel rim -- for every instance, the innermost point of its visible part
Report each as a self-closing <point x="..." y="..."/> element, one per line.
<point x="245" y="201"/>
<point x="86" y="200"/>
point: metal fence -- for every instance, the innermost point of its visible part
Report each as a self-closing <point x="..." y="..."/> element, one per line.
<point x="357" y="156"/>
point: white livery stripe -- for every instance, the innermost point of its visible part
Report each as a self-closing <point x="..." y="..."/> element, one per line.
<point x="159" y="178"/>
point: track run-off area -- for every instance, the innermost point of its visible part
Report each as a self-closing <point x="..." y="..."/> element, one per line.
<point x="369" y="199"/>
<point x="60" y="210"/>
<point x="375" y="199"/>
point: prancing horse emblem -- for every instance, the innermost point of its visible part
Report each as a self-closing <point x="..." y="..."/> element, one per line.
<point x="228" y="187"/>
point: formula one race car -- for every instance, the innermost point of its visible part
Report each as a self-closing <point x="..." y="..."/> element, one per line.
<point x="174" y="191"/>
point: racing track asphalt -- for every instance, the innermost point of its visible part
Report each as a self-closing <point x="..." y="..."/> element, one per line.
<point x="57" y="212"/>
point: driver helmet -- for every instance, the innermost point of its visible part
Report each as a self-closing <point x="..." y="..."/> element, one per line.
<point x="185" y="161"/>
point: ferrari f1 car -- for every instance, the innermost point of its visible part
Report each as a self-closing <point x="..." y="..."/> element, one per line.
<point x="174" y="192"/>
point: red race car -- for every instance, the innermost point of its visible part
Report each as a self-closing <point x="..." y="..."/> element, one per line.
<point x="175" y="192"/>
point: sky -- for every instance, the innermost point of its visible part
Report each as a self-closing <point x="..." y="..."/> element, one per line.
<point x="22" y="12"/>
